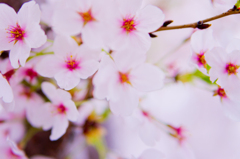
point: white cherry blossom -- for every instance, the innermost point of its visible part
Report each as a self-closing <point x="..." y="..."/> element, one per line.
<point x="20" y="32"/>
<point x="69" y="64"/>
<point x="59" y="112"/>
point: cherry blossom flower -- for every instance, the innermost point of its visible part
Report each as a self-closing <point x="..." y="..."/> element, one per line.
<point x="85" y="17"/>
<point x="60" y="110"/>
<point x="120" y="82"/>
<point x="201" y="42"/>
<point x="130" y="25"/>
<point x="230" y="101"/>
<point x="224" y="66"/>
<point x="20" y="32"/>
<point x="69" y="64"/>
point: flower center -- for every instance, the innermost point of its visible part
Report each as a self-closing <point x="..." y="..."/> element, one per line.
<point x="16" y="33"/>
<point x="72" y="63"/>
<point x="123" y="77"/>
<point x="31" y="73"/>
<point x="128" y="25"/>
<point x="201" y="59"/>
<point x="61" y="109"/>
<point x="220" y="92"/>
<point x="231" y="68"/>
<point x="177" y="132"/>
<point x="86" y="16"/>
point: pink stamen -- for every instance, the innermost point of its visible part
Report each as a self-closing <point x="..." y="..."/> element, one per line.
<point x="231" y="68"/>
<point x="61" y="109"/>
<point x="31" y="73"/>
<point x="72" y="63"/>
<point x="16" y="33"/>
<point x="124" y="78"/>
<point x="128" y="24"/>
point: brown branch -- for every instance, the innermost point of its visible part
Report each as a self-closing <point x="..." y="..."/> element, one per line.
<point x="200" y="24"/>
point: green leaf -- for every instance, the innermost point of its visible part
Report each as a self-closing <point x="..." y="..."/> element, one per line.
<point x="238" y="4"/>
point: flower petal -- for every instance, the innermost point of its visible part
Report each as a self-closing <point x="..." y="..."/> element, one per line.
<point x="29" y="13"/>
<point x="67" y="79"/>
<point x="60" y="126"/>
<point x="150" y="18"/>
<point x="147" y="77"/>
<point x="7" y="16"/>
<point x="35" y="36"/>
<point x="123" y="99"/>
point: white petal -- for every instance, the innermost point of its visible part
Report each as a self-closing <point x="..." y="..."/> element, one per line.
<point x="123" y="100"/>
<point x="128" y="59"/>
<point x="148" y="133"/>
<point x="55" y="95"/>
<point x="92" y="34"/>
<point x="48" y="66"/>
<point x="29" y="13"/>
<point x="67" y="22"/>
<point x="202" y="40"/>
<point x="231" y="109"/>
<point x="150" y="18"/>
<point x="152" y="154"/>
<point x="72" y="112"/>
<point x="6" y="91"/>
<point x="102" y="77"/>
<point x="140" y="42"/>
<point x="60" y="126"/>
<point x="4" y="41"/>
<point x="35" y="36"/>
<point x="129" y="7"/>
<point x="147" y="77"/>
<point x="64" y="45"/>
<point x="67" y="79"/>
<point x="7" y="16"/>
<point x="87" y="69"/>
<point x="21" y="52"/>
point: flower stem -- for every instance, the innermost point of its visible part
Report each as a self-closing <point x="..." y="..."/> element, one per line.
<point x="200" y="23"/>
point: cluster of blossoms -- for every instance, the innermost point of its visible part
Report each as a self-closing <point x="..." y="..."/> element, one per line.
<point x="80" y="79"/>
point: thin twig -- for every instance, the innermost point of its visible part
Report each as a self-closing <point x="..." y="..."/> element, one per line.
<point x="200" y="23"/>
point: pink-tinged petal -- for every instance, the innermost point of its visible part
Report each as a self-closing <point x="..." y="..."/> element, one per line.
<point x="231" y="109"/>
<point x="202" y="40"/>
<point x="4" y="41"/>
<point x="29" y="13"/>
<point x="6" y="91"/>
<point x="147" y="77"/>
<point x="72" y="112"/>
<point x="60" y="126"/>
<point x="84" y="111"/>
<point x="21" y="52"/>
<point x="92" y="35"/>
<point x="140" y="42"/>
<point x="129" y="7"/>
<point x="152" y="154"/>
<point x="150" y="18"/>
<point x="128" y="59"/>
<point x="48" y="66"/>
<point x="64" y="45"/>
<point x="35" y="36"/>
<point x="54" y="94"/>
<point x="87" y="69"/>
<point x="7" y="16"/>
<point x="102" y="77"/>
<point x="67" y="79"/>
<point x="67" y="22"/>
<point x="123" y="99"/>
<point x="149" y="133"/>
<point x="47" y="118"/>
<point x="24" y="52"/>
<point x="233" y="45"/>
